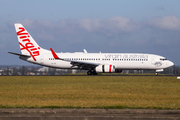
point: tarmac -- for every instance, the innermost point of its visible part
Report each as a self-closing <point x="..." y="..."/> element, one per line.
<point x="88" y="114"/>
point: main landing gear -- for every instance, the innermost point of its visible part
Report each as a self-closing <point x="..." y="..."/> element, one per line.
<point x="92" y="72"/>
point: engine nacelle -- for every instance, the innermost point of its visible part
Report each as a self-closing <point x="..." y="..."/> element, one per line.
<point x="105" y="68"/>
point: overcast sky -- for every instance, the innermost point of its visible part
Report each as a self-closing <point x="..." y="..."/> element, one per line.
<point x="120" y="26"/>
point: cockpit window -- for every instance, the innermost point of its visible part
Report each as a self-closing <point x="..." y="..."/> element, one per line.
<point x="163" y="59"/>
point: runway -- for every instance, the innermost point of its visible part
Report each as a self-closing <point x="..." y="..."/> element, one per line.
<point x="98" y="75"/>
<point x="88" y="114"/>
<point x="122" y="75"/>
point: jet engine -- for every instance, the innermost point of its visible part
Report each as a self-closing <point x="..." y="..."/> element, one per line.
<point x="105" y="68"/>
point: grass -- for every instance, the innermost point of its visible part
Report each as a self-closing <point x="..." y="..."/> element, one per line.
<point x="118" y="92"/>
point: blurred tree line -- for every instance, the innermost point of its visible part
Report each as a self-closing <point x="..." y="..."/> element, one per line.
<point x="32" y="70"/>
<point x="175" y="70"/>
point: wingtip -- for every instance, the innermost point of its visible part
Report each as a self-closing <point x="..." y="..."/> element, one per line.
<point x="85" y="51"/>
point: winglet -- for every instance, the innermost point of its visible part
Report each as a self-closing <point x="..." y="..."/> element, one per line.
<point x="54" y="54"/>
<point x="85" y="51"/>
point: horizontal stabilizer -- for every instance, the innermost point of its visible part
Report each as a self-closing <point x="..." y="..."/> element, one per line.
<point x="20" y="55"/>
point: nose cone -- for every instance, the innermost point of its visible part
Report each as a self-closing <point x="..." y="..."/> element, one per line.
<point x="169" y="63"/>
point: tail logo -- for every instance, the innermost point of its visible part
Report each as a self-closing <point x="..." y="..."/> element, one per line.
<point x="26" y="43"/>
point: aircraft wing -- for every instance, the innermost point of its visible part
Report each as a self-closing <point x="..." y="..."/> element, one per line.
<point x="80" y="64"/>
<point x="84" y="65"/>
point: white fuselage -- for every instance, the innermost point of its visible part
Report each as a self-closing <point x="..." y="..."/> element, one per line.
<point x="123" y="61"/>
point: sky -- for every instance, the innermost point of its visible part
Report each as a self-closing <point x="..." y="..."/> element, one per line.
<point x="109" y="26"/>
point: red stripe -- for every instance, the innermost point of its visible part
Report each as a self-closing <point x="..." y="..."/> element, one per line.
<point x="33" y="49"/>
<point x="23" y="37"/>
<point x="110" y="68"/>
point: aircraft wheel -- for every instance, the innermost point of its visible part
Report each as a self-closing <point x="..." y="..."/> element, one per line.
<point x="89" y="73"/>
<point x="156" y="73"/>
<point x="94" y="72"/>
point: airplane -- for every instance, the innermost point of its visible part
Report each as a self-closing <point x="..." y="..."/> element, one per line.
<point x="92" y="62"/>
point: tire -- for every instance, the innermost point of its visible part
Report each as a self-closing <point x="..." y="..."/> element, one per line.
<point x="89" y="73"/>
<point x="94" y="72"/>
